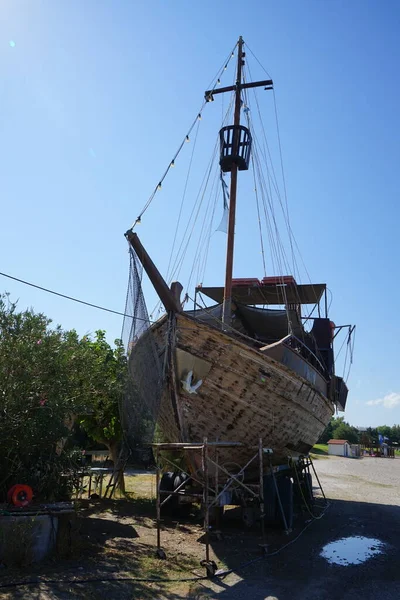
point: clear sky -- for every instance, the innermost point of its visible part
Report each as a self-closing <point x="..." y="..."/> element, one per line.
<point x="95" y="96"/>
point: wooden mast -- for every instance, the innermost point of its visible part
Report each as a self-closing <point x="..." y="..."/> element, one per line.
<point x="226" y="311"/>
<point x="237" y="88"/>
<point x="170" y="298"/>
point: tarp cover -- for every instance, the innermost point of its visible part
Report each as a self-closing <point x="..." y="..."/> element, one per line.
<point x="265" y="324"/>
<point x="270" y="324"/>
<point x="269" y="294"/>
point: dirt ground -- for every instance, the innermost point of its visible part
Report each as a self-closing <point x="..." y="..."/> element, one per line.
<point x="116" y="538"/>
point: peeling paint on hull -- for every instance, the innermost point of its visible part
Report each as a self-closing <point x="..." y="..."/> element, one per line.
<point x="244" y="395"/>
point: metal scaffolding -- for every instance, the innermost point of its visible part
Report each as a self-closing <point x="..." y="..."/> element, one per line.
<point x="213" y="490"/>
<point x="213" y="484"/>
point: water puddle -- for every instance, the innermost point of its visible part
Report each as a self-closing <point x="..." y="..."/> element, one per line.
<point x="352" y="550"/>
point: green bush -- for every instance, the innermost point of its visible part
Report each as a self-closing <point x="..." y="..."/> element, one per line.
<point x="50" y="379"/>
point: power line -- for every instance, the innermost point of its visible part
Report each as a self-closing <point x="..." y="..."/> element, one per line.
<point x="39" y="287"/>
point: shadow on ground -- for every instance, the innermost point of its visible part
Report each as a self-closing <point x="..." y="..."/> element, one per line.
<point x="106" y="544"/>
<point x="300" y="573"/>
<point x="112" y="542"/>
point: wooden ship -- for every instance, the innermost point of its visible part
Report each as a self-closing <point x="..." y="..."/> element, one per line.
<point x="243" y="368"/>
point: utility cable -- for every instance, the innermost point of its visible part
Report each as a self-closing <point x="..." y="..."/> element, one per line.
<point x="39" y="287"/>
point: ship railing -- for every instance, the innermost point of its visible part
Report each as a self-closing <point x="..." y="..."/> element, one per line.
<point x="294" y="343"/>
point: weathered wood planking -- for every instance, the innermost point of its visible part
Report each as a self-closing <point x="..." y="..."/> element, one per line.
<point x="245" y="395"/>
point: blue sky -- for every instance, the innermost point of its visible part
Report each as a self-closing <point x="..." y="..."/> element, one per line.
<point x="95" y="97"/>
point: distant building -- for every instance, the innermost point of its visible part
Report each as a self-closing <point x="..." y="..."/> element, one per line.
<point x="339" y="448"/>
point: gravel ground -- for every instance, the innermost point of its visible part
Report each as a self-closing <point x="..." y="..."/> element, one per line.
<point x="364" y="501"/>
<point x="368" y="479"/>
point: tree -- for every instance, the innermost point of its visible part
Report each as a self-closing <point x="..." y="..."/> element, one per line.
<point x="365" y="439"/>
<point x="385" y="430"/>
<point x="395" y="434"/>
<point x="107" y="372"/>
<point x="338" y="429"/>
<point x="48" y="379"/>
<point x="329" y="430"/>
<point x="327" y="434"/>
<point x="37" y="393"/>
<point x="344" y="431"/>
<point x="373" y="435"/>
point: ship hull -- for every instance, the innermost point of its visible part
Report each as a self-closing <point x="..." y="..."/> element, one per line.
<point x="222" y="389"/>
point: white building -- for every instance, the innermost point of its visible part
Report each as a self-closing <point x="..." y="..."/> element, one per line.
<point x="339" y="448"/>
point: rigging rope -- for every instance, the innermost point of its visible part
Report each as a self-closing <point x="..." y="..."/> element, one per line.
<point x="204" y="239"/>
<point x="285" y="211"/>
<point x="205" y="229"/>
<point x="199" y="200"/>
<point x="246" y="111"/>
<point x="272" y="178"/>
<point x="264" y="200"/>
<point x="182" y="201"/>
<point x="203" y="264"/>
<point x="207" y="237"/>
<point x="259" y="218"/>
<point x="277" y="247"/>
<point x="217" y="81"/>
<point x="179" y="259"/>
<point x="276" y="244"/>
<point x="284" y="180"/>
<point x="291" y="235"/>
<point x="202" y="229"/>
<point x="261" y="177"/>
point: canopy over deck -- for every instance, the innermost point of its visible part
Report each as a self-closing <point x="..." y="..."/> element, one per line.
<point x="269" y="294"/>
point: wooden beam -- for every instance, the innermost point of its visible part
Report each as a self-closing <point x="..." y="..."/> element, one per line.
<point x="162" y="289"/>
<point x="268" y="84"/>
<point x="244" y="86"/>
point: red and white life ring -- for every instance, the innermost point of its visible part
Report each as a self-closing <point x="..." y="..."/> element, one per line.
<point x="20" y="495"/>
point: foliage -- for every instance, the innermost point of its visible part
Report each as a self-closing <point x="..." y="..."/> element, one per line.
<point x="36" y="392"/>
<point x="330" y="428"/>
<point x="338" y="429"/>
<point x="107" y="369"/>
<point x="47" y="378"/>
<point x="344" y="431"/>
